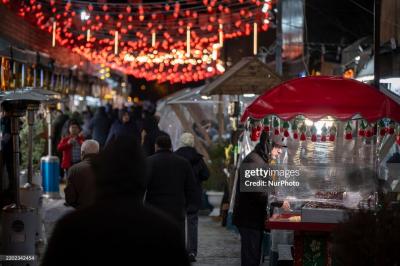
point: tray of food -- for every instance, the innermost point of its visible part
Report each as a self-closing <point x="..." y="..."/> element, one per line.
<point x="318" y="212"/>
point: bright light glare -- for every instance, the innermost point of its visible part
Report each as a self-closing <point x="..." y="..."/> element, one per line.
<point x="84" y="15"/>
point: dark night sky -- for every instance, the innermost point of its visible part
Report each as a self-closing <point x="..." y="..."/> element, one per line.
<point x="332" y="20"/>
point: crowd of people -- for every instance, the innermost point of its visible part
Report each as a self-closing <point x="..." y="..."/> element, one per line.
<point x="130" y="190"/>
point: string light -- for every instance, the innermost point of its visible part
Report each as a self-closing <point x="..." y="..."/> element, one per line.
<point x="72" y="19"/>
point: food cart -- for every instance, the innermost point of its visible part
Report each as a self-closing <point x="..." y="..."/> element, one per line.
<point x="338" y="134"/>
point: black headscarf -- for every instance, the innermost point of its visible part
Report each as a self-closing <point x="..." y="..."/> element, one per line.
<point x="262" y="147"/>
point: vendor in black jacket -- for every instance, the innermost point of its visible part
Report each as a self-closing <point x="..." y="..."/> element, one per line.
<point x="249" y="213"/>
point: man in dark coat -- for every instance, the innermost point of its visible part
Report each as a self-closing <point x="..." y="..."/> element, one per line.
<point x="124" y="126"/>
<point x="201" y="174"/>
<point x="80" y="189"/>
<point x="100" y="125"/>
<point x="171" y="186"/>
<point x="250" y="209"/>
<point x="117" y="229"/>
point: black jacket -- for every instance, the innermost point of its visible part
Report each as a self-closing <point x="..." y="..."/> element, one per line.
<point x="250" y="207"/>
<point x="120" y="231"/>
<point x="171" y="186"/>
<point x="200" y="170"/>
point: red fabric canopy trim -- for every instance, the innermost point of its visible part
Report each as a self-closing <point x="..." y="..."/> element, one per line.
<point x="321" y="96"/>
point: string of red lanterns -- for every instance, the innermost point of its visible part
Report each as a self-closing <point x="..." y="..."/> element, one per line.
<point x="174" y="42"/>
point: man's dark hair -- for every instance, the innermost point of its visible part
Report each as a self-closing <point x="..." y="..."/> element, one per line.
<point x="120" y="169"/>
<point x="74" y="122"/>
<point x="164" y="142"/>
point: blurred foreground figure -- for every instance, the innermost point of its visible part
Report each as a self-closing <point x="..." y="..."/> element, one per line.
<point x="117" y="229"/>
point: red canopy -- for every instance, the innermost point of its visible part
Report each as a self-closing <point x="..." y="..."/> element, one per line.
<point x="318" y="97"/>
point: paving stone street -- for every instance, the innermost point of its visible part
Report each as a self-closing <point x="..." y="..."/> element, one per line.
<point x="217" y="245"/>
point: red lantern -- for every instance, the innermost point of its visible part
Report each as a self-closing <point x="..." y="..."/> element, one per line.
<point x="313" y="138"/>
<point x="303" y="136"/>
<point x="382" y="131"/>
<point x="391" y="130"/>
<point x="286" y="133"/>
<point x="332" y="137"/>
<point x="255" y="133"/>
<point x="323" y="138"/>
<point x="295" y="135"/>
<point x="266" y="129"/>
<point x="361" y="132"/>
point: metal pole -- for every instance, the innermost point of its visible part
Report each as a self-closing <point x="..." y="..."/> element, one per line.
<point x="16" y="152"/>
<point x="377" y="41"/>
<point x="49" y="131"/>
<point x="278" y="53"/>
<point x="31" y="121"/>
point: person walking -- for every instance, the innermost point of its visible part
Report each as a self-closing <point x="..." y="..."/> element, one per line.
<point x="201" y="173"/>
<point x="117" y="229"/>
<point x="123" y="127"/>
<point x="250" y="209"/>
<point x="80" y="189"/>
<point x="100" y="125"/>
<point x="171" y="187"/>
<point x="70" y="146"/>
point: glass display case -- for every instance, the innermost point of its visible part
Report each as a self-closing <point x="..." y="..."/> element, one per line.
<point x="323" y="193"/>
<point x="332" y="179"/>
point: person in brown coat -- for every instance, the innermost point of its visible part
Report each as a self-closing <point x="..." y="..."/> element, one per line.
<point x="80" y="189"/>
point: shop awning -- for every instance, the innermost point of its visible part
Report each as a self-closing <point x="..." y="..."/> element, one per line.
<point x="318" y="97"/>
<point x="249" y="75"/>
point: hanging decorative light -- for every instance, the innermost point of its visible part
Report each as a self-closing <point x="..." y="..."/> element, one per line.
<point x="153" y="38"/>
<point x="116" y="39"/>
<point x="221" y="35"/>
<point x="137" y="22"/>
<point x="53" y="40"/>
<point x="188" y="41"/>
<point x="255" y="40"/>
